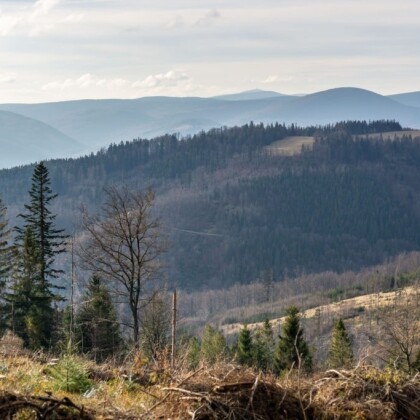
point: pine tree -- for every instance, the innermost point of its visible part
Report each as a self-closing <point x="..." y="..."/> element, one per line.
<point x="341" y="353"/>
<point x="213" y="345"/>
<point x="292" y="350"/>
<point x="49" y="240"/>
<point x="97" y="329"/>
<point x="245" y="347"/>
<point x="37" y="244"/>
<point x="193" y="353"/>
<point x="28" y="303"/>
<point x="264" y="347"/>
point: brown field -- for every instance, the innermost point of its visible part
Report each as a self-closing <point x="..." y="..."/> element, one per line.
<point x="289" y="146"/>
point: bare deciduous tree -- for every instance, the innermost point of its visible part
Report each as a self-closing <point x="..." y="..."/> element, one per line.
<point x="123" y="245"/>
<point x="400" y="333"/>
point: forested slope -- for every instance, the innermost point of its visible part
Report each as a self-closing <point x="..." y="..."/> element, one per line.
<point x="231" y="210"/>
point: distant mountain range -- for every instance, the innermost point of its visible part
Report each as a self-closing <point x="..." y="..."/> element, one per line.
<point x="31" y="132"/>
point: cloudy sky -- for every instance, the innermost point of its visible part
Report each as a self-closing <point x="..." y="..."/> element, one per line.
<point x="69" y="49"/>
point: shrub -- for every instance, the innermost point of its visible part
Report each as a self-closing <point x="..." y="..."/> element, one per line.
<point x="71" y="375"/>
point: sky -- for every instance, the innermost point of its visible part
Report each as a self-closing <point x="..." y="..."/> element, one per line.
<point x="53" y="50"/>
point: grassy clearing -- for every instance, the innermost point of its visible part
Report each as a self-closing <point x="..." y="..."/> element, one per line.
<point x="224" y="390"/>
<point x="367" y="302"/>
<point x="289" y="146"/>
<point x="35" y="376"/>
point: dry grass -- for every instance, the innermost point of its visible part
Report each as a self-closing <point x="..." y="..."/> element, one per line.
<point x="366" y="393"/>
<point x="221" y="391"/>
<point x="113" y="397"/>
<point x="230" y="392"/>
<point x="289" y="146"/>
<point x="368" y="302"/>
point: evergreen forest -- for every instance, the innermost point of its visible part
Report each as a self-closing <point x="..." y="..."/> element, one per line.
<point x="231" y="210"/>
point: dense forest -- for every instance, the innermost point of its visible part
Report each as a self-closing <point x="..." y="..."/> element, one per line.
<point x="231" y="210"/>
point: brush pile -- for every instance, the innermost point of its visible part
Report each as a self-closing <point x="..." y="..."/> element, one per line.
<point x="36" y="407"/>
<point x="222" y="391"/>
<point x="367" y="393"/>
<point x="227" y="391"/>
<point x="231" y="392"/>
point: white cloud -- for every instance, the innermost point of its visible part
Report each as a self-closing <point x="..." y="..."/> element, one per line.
<point x="273" y="79"/>
<point x="223" y="46"/>
<point x="169" y="79"/>
<point x="270" y="79"/>
<point x="208" y="18"/>
<point x="6" y="78"/>
<point x="42" y="7"/>
<point x="175" y="82"/>
<point x="192" y="18"/>
<point x="85" y="81"/>
<point x="175" y="22"/>
<point x="34" y="19"/>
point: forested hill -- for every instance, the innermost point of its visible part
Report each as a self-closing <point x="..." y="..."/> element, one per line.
<point x="234" y="207"/>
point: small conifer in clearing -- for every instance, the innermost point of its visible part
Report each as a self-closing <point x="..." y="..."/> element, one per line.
<point x="341" y="352"/>
<point x="263" y="347"/>
<point x="245" y="347"/>
<point x="292" y="350"/>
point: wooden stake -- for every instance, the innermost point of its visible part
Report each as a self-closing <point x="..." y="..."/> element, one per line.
<point x="173" y="330"/>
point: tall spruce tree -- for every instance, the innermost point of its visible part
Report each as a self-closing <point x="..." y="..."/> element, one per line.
<point x="292" y="350"/>
<point x="341" y="352"/>
<point x="49" y="240"/>
<point x="245" y="347"/>
<point x="38" y="241"/>
<point x="213" y="345"/>
<point x="263" y="351"/>
<point x="193" y="353"/>
<point x="29" y="310"/>
<point x="97" y="328"/>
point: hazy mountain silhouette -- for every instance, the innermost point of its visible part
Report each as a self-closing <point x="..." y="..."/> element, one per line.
<point x="97" y="123"/>
<point x="25" y="140"/>
<point x="250" y="95"/>
<point x="410" y="98"/>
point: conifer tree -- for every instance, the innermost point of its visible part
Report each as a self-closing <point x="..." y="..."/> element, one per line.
<point x="193" y="353"/>
<point x="29" y="310"/>
<point x="264" y="347"/>
<point x="97" y="328"/>
<point x="292" y="350"/>
<point x="341" y="353"/>
<point x="49" y="240"/>
<point x="213" y="345"/>
<point x="37" y="244"/>
<point x="245" y="347"/>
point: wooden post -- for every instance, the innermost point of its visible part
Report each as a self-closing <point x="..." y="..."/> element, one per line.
<point x="71" y="297"/>
<point x="173" y="330"/>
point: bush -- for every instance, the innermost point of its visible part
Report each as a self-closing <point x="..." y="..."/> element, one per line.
<point x="71" y="375"/>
